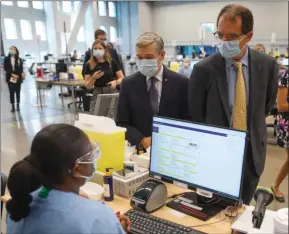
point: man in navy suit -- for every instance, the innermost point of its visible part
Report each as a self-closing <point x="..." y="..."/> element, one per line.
<point x="154" y="90"/>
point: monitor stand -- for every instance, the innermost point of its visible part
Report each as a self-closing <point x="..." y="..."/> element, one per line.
<point x="198" y="206"/>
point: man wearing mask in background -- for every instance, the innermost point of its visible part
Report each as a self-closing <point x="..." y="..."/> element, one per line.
<point x="236" y="88"/>
<point x="154" y="90"/>
<point x="101" y="35"/>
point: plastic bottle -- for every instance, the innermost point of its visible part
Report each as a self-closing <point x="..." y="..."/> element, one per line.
<point x="108" y="185"/>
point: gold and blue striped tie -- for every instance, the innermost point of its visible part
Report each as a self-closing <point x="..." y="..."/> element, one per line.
<point x="240" y="105"/>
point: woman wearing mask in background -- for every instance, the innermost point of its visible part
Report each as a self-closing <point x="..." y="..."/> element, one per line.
<point x="260" y="48"/>
<point x="282" y="132"/>
<point x="13" y="66"/>
<point x="102" y="73"/>
<point x="45" y="185"/>
<point x="186" y="69"/>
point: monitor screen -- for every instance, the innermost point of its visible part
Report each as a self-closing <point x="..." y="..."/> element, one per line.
<point x="200" y="156"/>
<point x="285" y="62"/>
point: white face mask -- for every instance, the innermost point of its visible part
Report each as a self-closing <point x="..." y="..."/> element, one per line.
<point x="148" y="67"/>
<point x="12" y="52"/>
<point x="88" y="178"/>
<point x="98" y="53"/>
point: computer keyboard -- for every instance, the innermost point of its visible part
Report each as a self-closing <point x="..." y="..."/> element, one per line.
<point x="142" y="223"/>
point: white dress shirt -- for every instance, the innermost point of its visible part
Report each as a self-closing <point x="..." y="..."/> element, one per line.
<point x="13" y="62"/>
<point x="159" y="84"/>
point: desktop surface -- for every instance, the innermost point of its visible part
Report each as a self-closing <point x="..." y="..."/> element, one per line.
<point x="200" y="156"/>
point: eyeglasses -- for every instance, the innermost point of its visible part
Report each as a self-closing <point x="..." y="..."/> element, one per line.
<point x="230" y="36"/>
<point x="91" y="156"/>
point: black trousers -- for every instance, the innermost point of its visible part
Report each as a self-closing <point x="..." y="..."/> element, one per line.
<point x="251" y="178"/>
<point x="14" y="89"/>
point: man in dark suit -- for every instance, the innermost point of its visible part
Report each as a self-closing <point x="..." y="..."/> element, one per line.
<point x="101" y="35"/>
<point x="154" y="90"/>
<point x="236" y="88"/>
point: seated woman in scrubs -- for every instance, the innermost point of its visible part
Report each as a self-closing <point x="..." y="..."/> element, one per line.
<point x="45" y="185"/>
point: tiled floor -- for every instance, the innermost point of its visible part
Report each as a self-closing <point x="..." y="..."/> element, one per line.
<point x="18" y="129"/>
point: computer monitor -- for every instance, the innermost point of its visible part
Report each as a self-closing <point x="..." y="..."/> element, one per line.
<point x="200" y="156"/>
<point x="106" y="105"/>
<point x="285" y="62"/>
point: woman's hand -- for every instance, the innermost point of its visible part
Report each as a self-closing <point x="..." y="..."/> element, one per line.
<point x="15" y="76"/>
<point x="113" y="84"/>
<point x="97" y="75"/>
<point x="125" y="222"/>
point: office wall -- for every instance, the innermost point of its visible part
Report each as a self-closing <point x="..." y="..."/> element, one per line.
<point x="145" y="17"/>
<point x="17" y="13"/>
<point x="180" y="20"/>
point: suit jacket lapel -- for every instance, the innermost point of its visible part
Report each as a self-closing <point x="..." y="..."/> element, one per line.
<point x="221" y="77"/>
<point x="165" y="89"/>
<point x="254" y="70"/>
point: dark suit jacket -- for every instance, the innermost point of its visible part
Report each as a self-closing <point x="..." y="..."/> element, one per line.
<point x="209" y="102"/>
<point x="113" y="54"/>
<point x="134" y="110"/>
<point x="9" y="70"/>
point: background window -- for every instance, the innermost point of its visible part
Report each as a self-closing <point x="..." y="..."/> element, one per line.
<point x="37" y="4"/>
<point x="40" y="30"/>
<point x="7" y="3"/>
<point x="81" y="35"/>
<point x="10" y="28"/>
<point x="26" y="29"/>
<point x="111" y="9"/>
<point x="101" y="8"/>
<point x="103" y="28"/>
<point x="76" y="5"/>
<point x="209" y="27"/>
<point x="66" y="6"/>
<point x="23" y="4"/>
<point x="113" y="36"/>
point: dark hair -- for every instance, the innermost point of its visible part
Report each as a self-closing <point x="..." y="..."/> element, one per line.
<point x="234" y="11"/>
<point x="54" y="151"/>
<point x="99" y="32"/>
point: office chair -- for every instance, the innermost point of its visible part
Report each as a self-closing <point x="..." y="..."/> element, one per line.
<point x="106" y="105"/>
<point x="79" y="92"/>
<point x="3" y="188"/>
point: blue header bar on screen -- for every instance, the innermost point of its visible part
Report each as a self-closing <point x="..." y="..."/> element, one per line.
<point x="155" y="129"/>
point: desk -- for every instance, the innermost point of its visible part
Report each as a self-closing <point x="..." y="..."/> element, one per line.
<point x="123" y="205"/>
<point x="61" y="83"/>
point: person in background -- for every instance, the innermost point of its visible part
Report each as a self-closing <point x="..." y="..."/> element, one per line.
<point x="110" y="45"/>
<point x="226" y="90"/>
<point x="202" y="53"/>
<point x="153" y="90"/>
<point x="260" y="48"/>
<point x="282" y="133"/>
<point x="277" y="53"/>
<point x="74" y="56"/>
<point x="101" y="35"/>
<point x="186" y="69"/>
<point x="194" y="54"/>
<point x="102" y="73"/>
<point x="13" y="67"/>
<point x="45" y="185"/>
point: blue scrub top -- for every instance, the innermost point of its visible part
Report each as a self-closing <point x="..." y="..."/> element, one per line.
<point x="66" y="213"/>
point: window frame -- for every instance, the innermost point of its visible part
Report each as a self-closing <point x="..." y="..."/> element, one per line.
<point x="44" y="29"/>
<point x="114" y="9"/>
<point x="30" y="27"/>
<point x="23" y="6"/>
<point x="15" y="37"/>
<point x="7" y="3"/>
<point x="37" y="8"/>
<point x="104" y="12"/>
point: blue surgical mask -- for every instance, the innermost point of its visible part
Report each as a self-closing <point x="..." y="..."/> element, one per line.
<point x="98" y="53"/>
<point x="148" y="67"/>
<point x="230" y="49"/>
